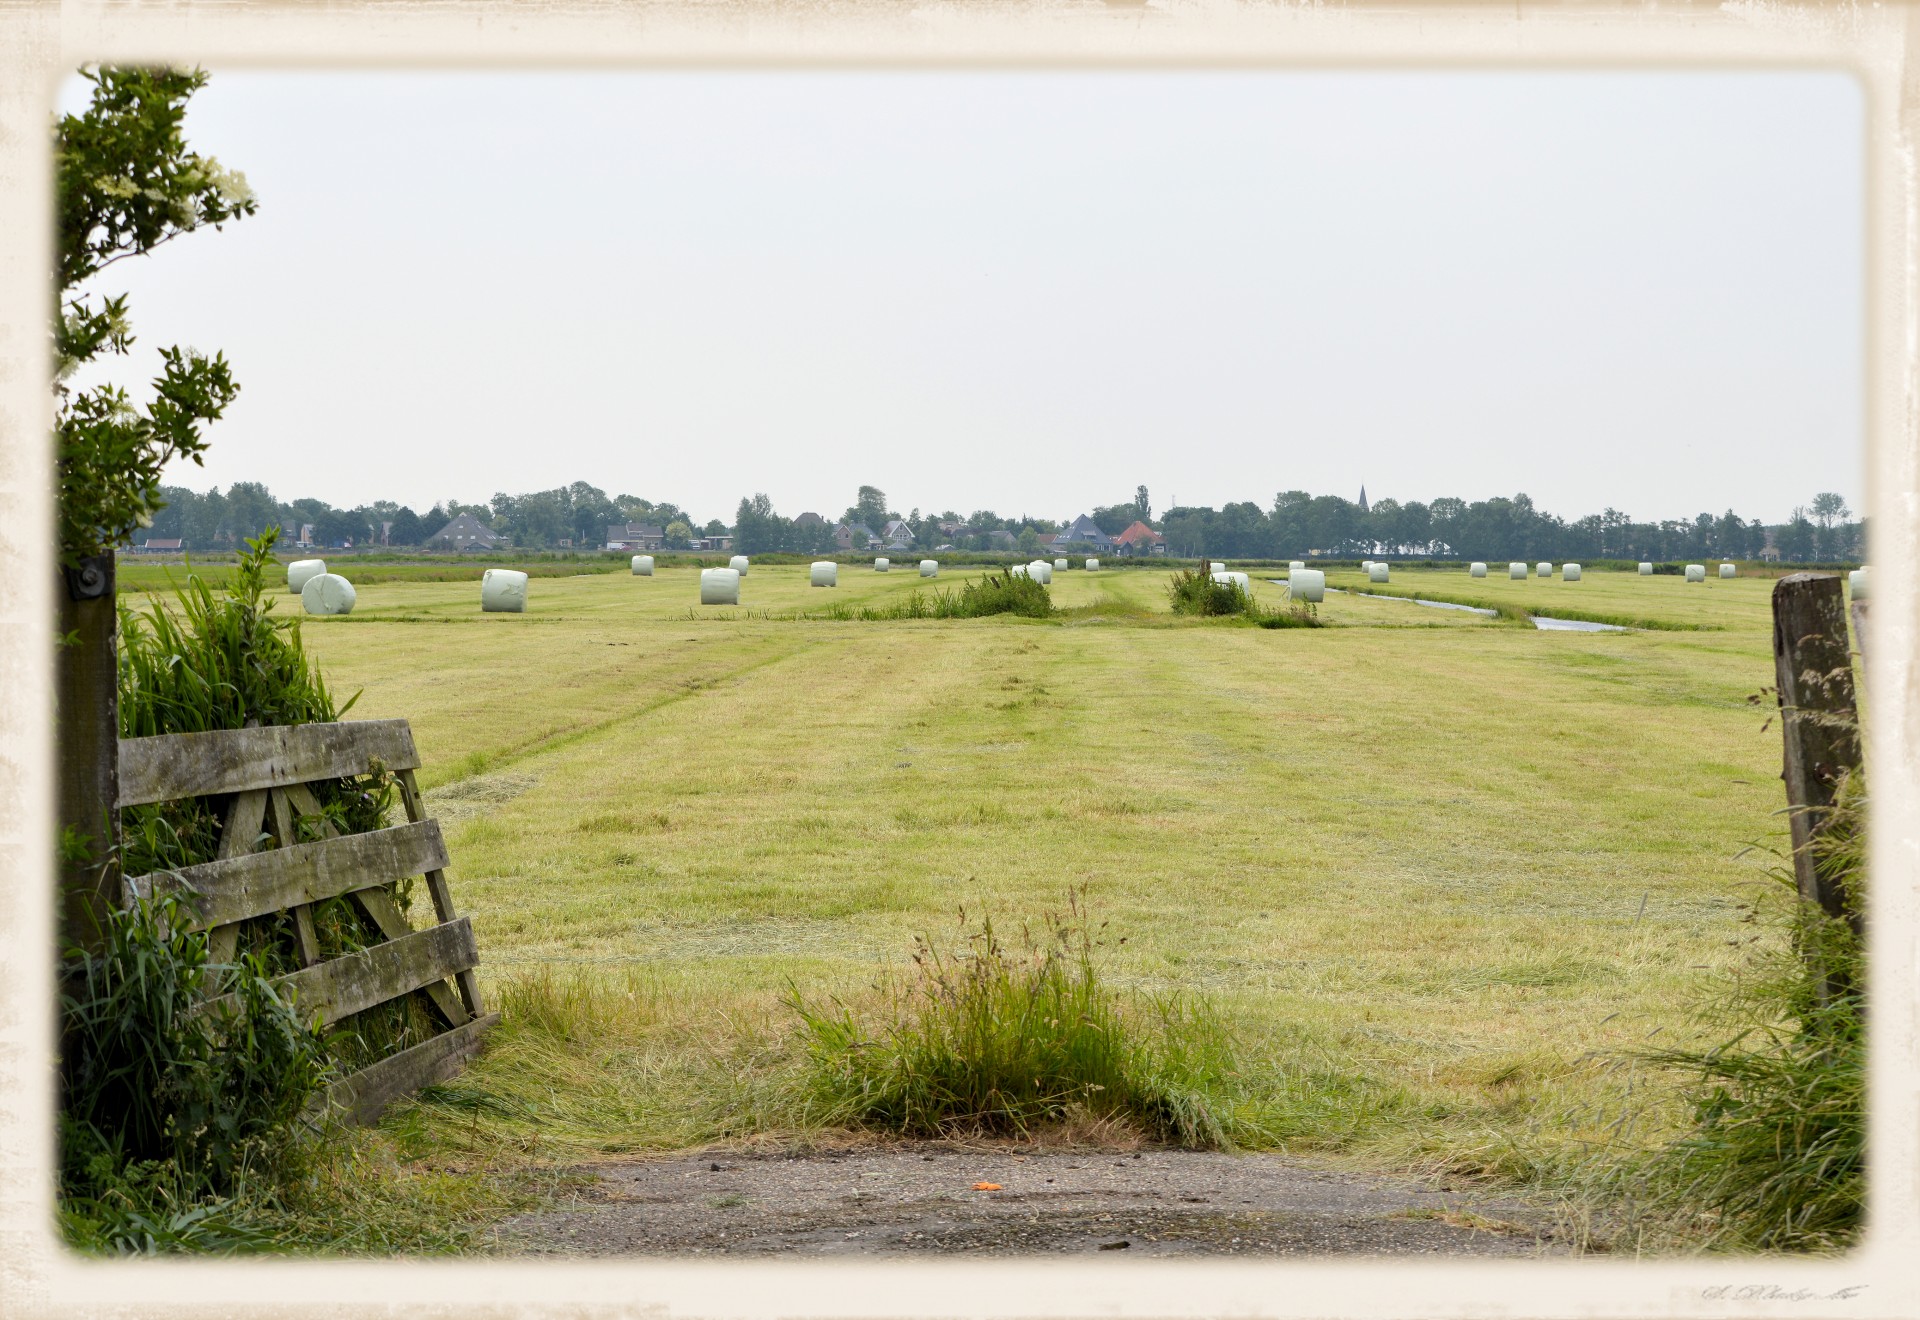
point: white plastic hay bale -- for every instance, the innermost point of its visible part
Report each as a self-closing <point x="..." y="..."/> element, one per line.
<point x="1378" y="573"/>
<point x="1042" y="571"/>
<point x="824" y="573"/>
<point x="1233" y="579"/>
<point x="503" y="591"/>
<point x="1857" y="583"/>
<point x="1646" y="569"/>
<point x="1060" y="565"/>
<point x="719" y="586"/>
<point x="1216" y="567"/>
<point x="1021" y="570"/>
<point x="1727" y="570"/>
<point x="738" y="564"/>
<point x="300" y="570"/>
<point x="1093" y="566"/>
<point x="327" y="593"/>
<point x="1366" y="566"/>
<point x="929" y="568"/>
<point x="643" y="565"/>
<point x="1476" y="569"/>
<point x="1516" y="571"/>
<point x="1569" y="572"/>
<point x="1543" y="569"/>
<point x="1295" y="563"/>
<point x="1308" y="584"/>
<point x="882" y="565"/>
<point x="1696" y="572"/>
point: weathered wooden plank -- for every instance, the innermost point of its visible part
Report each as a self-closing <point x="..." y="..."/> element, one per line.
<point x="441" y="892"/>
<point x="362" y="1097"/>
<point x="180" y="765"/>
<point x="259" y="883"/>
<point x="366" y="977"/>
<point x="386" y="914"/>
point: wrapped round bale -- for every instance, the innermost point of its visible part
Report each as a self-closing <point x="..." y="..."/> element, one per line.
<point x="1232" y="579"/>
<point x="327" y="593"/>
<point x="1041" y="570"/>
<point x="825" y="573"/>
<point x="1309" y="584"/>
<point x="719" y="586"/>
<point x="1476" y="569"/>
<point x="643" y="565"/>
<point x="1646" y="569"/>
<point x="300" y="570"/>
<point x="882" y="565"/>
<point x="738" y="564"/>
<point x="1543" y="569"/>
<point x="1366" y="566"/>
<point x="1857" y="583"/>
<point x="1021" y="570"/>
<point x="1060" y="565"/>
<point x="1216" y="567"/>
<point x="1727" y="570"/>
<point x="1295" y="563"/>
<point x="1696" y="572"/>
<point x="1516" y="572"/>
<point x="1569" y="572"/>
<point x="1093" y="566"/>
<point x="929" y="568"/>
<point x="503" y="591"/>
<point x="1378" y="573"/>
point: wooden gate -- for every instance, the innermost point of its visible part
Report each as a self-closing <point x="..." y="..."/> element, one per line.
<point x="267" y="772"/>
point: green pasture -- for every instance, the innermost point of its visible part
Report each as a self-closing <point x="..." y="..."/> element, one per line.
<point x="1660" y="601"/>
<point x="1440" y="872"/>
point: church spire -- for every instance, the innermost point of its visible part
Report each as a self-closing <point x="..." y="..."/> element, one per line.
<point x="1363" y="498"/>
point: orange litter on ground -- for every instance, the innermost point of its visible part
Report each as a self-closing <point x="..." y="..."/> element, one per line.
<point x="986" y="1187"/>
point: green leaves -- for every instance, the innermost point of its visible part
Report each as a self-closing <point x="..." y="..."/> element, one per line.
<point x="127" y="183"/>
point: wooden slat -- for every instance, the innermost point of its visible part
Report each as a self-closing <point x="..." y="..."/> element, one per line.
<point x="392" y="922"/>
<point x="182" y="765"/>
<point x="259" y="883"/>
<point x="441" y="893"/>
<point x="360" y="980"/>
<point x="362" y="1097"/>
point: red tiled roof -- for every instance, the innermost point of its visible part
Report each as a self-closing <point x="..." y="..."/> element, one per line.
<point x="1138" y="531"/>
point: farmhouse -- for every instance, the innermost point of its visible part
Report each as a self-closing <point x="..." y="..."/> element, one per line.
<point x="462" y="534"/>
<point x="154" y="545"/>
<point x="1140" y="539"/>
<point x="809" y="522"/>
<point x="854" y="536"/>
<point x="1084" y="531"/>
<point x="636" y="536"/>
<point x="897" y="535"/>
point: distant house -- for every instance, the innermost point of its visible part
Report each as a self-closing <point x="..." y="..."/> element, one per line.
<point x="636" y="536"/>
<point x="844" y="536"/>
<point x="1001" y="539"/>
<point x="897" y="535"/>
<point x="810" y="522"/>
<point x="462" y="534"/>
<point x="721" y="542"/>
<point x="154" y="545"/>
<point x="1140" y="539"/>
<point x="1084" y="531"/>
<point x="1046" y="541"/>
<point x="306" y="535"/>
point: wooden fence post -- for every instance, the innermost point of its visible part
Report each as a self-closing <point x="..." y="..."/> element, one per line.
<point x="87" y="732"/>
<point x="1819" y="722"/>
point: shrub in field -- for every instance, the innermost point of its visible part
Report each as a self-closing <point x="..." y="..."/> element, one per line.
<point x="1776" y="1157"/>
<point x="996" y="593"/>
<point x="1192" y="592"/>
<point x="170" y="1111"/>
<point x="983" y="1038"/>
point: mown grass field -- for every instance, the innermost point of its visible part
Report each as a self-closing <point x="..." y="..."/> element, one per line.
<point x="1440" y="872"/>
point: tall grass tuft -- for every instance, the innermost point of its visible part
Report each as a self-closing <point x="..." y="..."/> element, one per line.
<point x="1192" y="592"/>
<point x="983" y="1038"/>
<point x="1776" y="1158"/>
<point x="171" y="1113"/>
<point x="996" y="593"/>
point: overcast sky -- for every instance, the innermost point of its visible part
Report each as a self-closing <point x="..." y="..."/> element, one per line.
<point x="1031" y="291"/>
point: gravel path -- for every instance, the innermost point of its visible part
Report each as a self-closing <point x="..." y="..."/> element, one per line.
<point x="923" y="1198"/>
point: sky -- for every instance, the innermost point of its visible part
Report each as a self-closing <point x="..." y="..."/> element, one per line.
<point x="1030" y="291"/>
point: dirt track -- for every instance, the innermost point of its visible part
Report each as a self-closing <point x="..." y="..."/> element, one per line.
<point x="923" y="1198"/>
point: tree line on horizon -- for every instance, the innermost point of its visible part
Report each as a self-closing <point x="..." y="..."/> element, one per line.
<point x="1294" y="525"/>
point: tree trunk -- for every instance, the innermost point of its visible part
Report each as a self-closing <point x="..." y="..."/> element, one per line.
<point x="1820" y="724"/>
<point x="87" y="738"/>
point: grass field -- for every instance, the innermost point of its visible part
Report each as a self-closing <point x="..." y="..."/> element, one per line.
<point x="1439" y="872"/>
